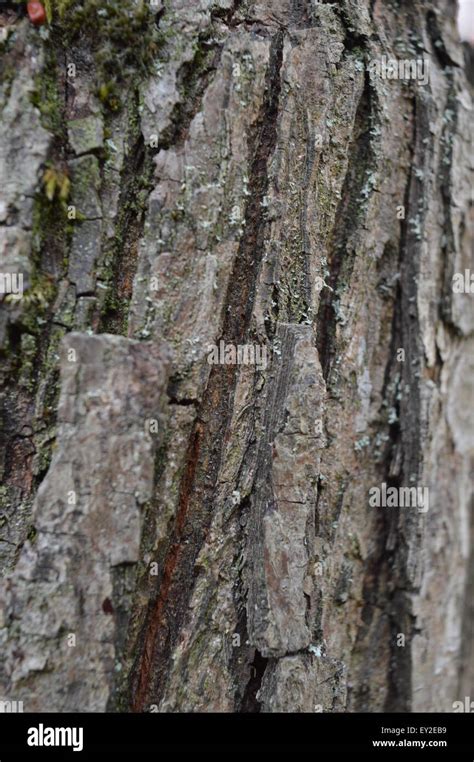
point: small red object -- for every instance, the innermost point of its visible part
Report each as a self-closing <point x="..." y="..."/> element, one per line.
<point x="36" y="12"/>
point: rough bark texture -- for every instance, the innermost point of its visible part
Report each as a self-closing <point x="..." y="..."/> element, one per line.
<point x="183" y="536"/>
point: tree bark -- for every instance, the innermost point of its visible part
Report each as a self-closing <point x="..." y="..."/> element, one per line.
<point x="185" y="535"/>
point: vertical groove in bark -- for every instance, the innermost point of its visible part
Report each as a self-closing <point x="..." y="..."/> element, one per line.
<point x="123" y="253"/>
<point x="250" y="702"/>
<point x="396" y="473"/>
<point x="340" y="260"/>
<point x="167" y="612"/>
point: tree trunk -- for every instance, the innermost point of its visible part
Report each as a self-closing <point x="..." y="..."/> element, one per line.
<point x="240" y="238"/>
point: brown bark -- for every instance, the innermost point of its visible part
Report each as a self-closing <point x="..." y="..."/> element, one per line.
<point x="238" y="173"/>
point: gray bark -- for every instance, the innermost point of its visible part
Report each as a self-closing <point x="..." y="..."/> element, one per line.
<point x="184" y="536"/>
